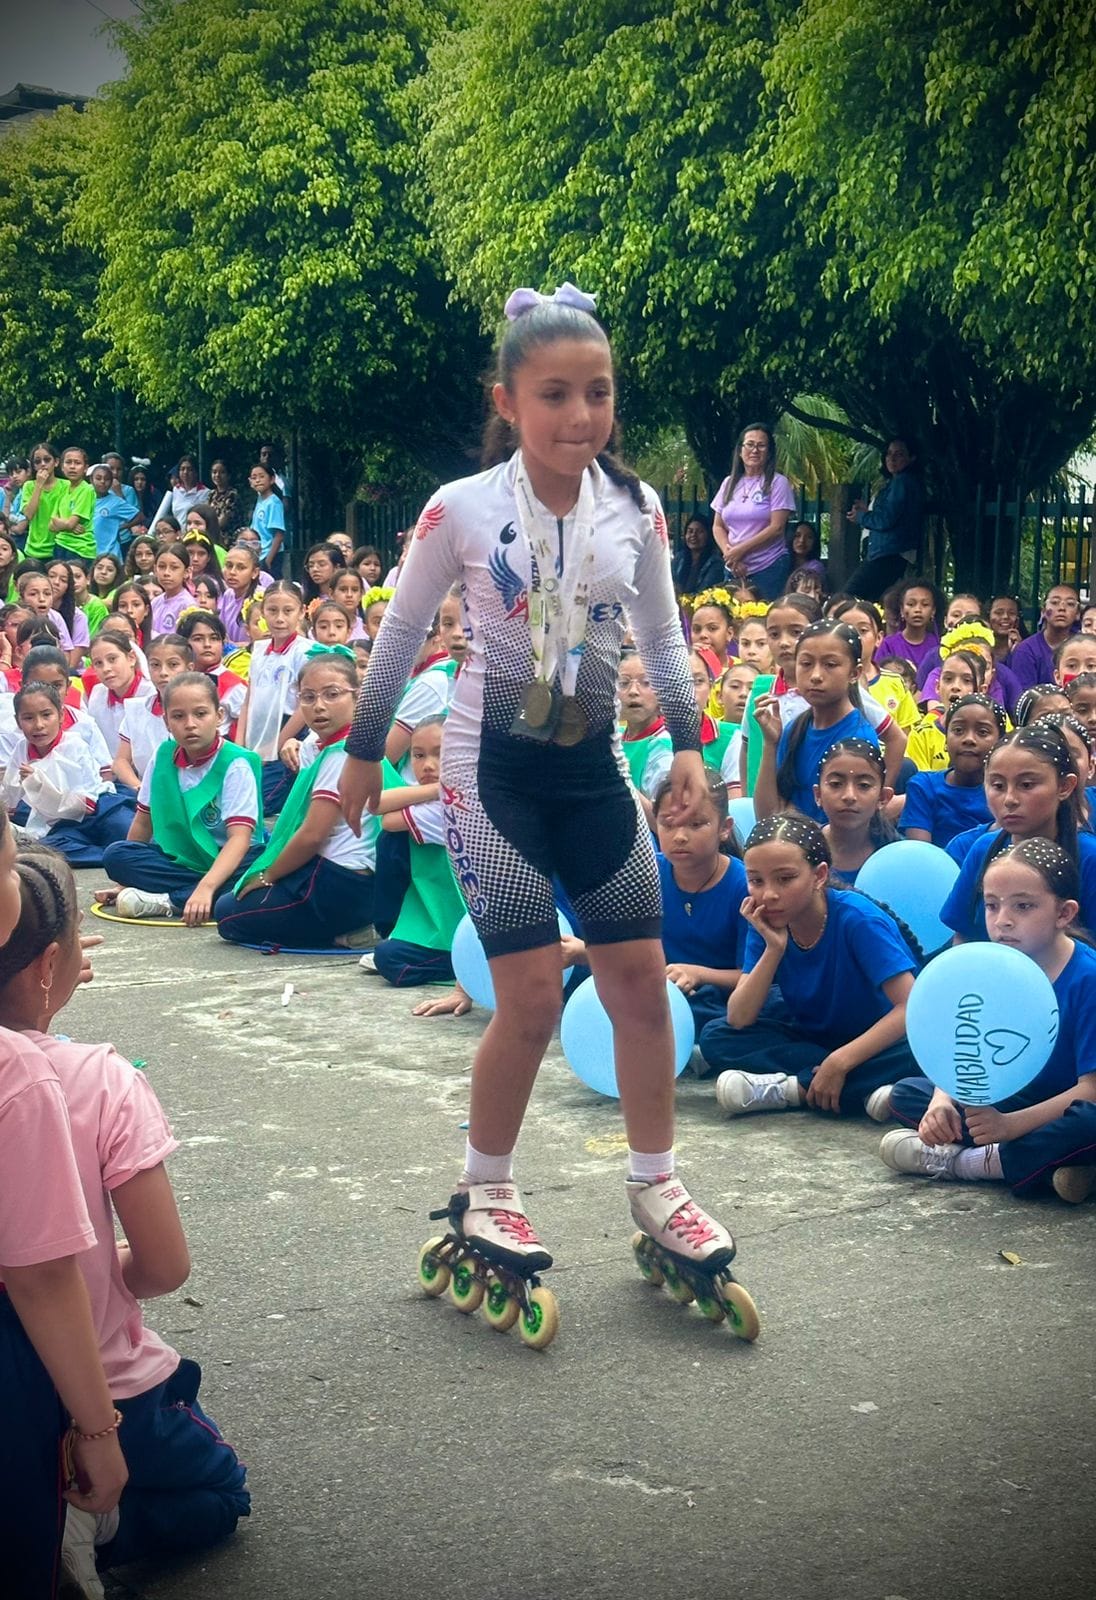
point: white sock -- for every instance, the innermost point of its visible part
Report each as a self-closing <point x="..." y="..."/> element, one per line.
<point x="649" y="1168"/>
<point x="481" y="1168"/>
<point x="982" y="1163"/>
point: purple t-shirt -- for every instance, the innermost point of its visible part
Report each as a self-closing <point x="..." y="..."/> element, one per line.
<point x="896" y="644"/>
<point x="1004" y="691"/>
<point x="1032" y="661"/>
<point x="749" y="510"/>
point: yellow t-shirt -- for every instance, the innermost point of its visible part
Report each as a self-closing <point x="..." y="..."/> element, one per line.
<point x="927" y="746"/>
<point x="894" y="697"/>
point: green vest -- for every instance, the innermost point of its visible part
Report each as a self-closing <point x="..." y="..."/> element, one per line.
<point x="755" y="739"/>
<point x="293" y="814"/>
<point x="637" y="753"/>
<point x="433" y="904"/>
<point x="180" y="824"/>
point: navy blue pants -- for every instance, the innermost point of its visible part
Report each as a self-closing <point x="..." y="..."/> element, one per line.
<point x="277" y="782"/>
<point x="83" y="841"/>
<point x="393" y="879"/>
<point x="774" y="1044"/>
<point x="306" y="909"/>
<point x="405" y="965"/>
<point x="145" y="866"/>
<point x="32" y="1512"/>
<point x="1027" y="1162"/>
<point x="772" y="580"/>
<point x="186" y="1484"/>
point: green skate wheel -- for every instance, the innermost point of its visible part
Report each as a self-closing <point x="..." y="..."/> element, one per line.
<point x="466" y="1291"/>
<point x="676" y="1287"/>
<point x="711" y="1307"/>
<point x="648" y="1266"/>
<point x="500" y="1307"/>
<point x="433" y="1272"/>
<point x="540" y="1323"/>
<point x="741" y="1311"/>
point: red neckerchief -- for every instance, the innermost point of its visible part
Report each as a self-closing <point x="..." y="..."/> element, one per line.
<point x="15" y="679"/>
<point x="334" y="739"/>
<point x="226" y="679"/>
<point x="67" y="719"/>
<point x="156" y="706"/>
<point x="127" y="694"/>
<point x="780" y="684"/>
<point x="708" y="729"/>
<point x="646" y="733"/>
<point x="280" y="649"/>
<point x="431" y="661"/>
<point x="181" y="759"/>
<point x="40" y="755"/>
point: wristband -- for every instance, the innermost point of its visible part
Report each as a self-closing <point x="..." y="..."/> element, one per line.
<point x="89" y="1438"/>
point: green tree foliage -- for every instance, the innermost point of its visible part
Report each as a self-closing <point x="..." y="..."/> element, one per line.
<point x="253" y="189"/>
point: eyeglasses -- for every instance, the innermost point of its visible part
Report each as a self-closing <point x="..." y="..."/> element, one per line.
<point x="308" y="697"/>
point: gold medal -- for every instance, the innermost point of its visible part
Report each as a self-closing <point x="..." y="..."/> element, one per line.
<point x="572" y="724"/>
<point x="537" y="702"/>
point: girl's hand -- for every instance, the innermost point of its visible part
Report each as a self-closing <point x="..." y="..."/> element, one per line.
<point x="688" y="785"/>
<point x="572" y="951"/>
<point x="941" y="1123"/>
<point x="767" y="712"/>
<point x="88" y="941"/>
<point x="290" y="754"/>
<point x="987" y="1125"/>
<point x="42" y="477"/>
<point x="775" y="938"/>
<point x="198" y="907"/>
<point x="359" y="790"/>
<point x="249" y="888"/>
<point x="101" y="1474"/>
<point x="824" y="1093"/>
<point x="453" y="1004"/>
<point x="686" y="978"/>
<point x="25" y="771"/>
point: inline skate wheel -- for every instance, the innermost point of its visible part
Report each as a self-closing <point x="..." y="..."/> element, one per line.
<point x="540" y="1323"/>
<point x="500" y="1307"/>
<point x="711" y="1307"/>
<point x="433" y="1273"/>
<point x="741" y="1311"/>
<point x="466" y="1291"/>
<point x="648" y="1267"/>
<point x="676" y="1287"/>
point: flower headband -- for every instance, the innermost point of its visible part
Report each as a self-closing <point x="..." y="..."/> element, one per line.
<point x="966" y="633"/>
<point x="378" y="592"/>
<point x="523" y="300"/>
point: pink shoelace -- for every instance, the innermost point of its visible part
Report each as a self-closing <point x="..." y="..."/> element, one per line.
<point x="516" y="1224"/>
<point x="691" y="1223"/>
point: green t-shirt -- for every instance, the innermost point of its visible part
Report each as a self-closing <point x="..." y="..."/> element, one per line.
<point x="54" y="502"/>
<point x="81" y="504"/>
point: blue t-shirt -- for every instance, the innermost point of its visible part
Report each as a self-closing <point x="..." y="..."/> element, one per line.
<point x="714" y="934"/>
<point x="1090" y="800"/>
<point x="943" y="809"/>
<point x="1074" y="1050"/>
<point x="268" y="518"/>
<point x="963" y="911"/>
<point x="835" y="991"/>
<point x="110" y="516"/>
<point x="808" y="758"/>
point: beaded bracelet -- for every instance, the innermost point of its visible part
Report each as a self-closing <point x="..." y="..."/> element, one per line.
<point x="89" y="1438"/>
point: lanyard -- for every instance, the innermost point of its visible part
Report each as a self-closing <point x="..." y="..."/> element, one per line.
<point x="558" y="602"/>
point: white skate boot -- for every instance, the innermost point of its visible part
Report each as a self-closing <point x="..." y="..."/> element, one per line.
<point x="492" y="1253"/>
<point x="683" y="1247"/>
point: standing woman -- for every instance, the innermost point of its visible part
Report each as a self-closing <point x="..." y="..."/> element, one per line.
<point x="698" y="565"/>
<point x="224" y="502"/>
<point x="558" y="548"/>
<point x="892" y="522"/>
<point x="752" y="508"/>
<point x="188" y="492"/>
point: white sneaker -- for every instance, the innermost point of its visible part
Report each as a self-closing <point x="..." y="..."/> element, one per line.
<point x="903" y="1151"/>
<point x="667" y="1214"/>
<point x="368" y="962"/>
<point x="78" y="1574"/>
<point x="1073" y="1184"/>
<point x="140" y="903"/>
<point x="878" y="1103"/>
<point x="739" y="1092"/>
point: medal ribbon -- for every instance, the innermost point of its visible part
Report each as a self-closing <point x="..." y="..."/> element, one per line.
<point x="558" y="605"/>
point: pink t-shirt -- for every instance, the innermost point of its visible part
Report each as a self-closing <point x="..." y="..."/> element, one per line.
<point x="118" y="1130"/>
<point x="748" y="510"/>
<point x="43" y="1214"/>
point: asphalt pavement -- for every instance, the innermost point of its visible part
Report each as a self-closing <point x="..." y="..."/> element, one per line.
<point x="915" y="1420"/>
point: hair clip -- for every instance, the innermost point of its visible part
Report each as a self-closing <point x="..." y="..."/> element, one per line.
<point x="523" y="300"/>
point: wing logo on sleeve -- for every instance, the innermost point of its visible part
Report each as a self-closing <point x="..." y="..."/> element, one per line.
<point x="510" y="585"/>
<point x="431" y="516"/>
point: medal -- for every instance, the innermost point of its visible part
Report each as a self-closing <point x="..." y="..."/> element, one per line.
<point x="537" y="703"/>
<point x="572" y="723"/>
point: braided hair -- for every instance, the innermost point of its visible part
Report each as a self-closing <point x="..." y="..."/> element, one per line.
<point x="1026" y="706"/>
<point x="807" y="835"/>
<point x="1048" y="744"/>
<point x="882" y="830"/>
<point x="715" y="788"/>
<point x="1059" y="871"/>
<point x="797" y="732"/>
<point x="984" y="703"/>
<point x="47" y="893"/>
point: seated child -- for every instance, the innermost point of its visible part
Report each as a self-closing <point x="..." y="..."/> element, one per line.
<point x="734" y="692"/>
<point x="270" y="715"/>
<point x="52" y="768"/>
<point x="329" y="622"/>
<point x="313" y="883"/>
<point x="349" y="590"/>
<point x="1082" y="700"/>
<point x="852" y="791"/>
<point x="645" y="742"/>
<point x="939" y="805"/>
<point x="200" y="800"/>
<point x="243" y="578"/>
<point x="1047" y="1132"/>
<point x="143" y="729"/>
<point x="204" y="632"/>
<point x="1074" y="656"/>
<point x="843" y="967"/>
<point x="119" y="680"/>
<point x="427" y="694"/>
<point x="963" y="674"/>
<point x="186" y="1485"/>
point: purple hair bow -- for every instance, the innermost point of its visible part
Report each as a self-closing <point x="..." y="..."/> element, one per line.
<point x="523" y="300"/>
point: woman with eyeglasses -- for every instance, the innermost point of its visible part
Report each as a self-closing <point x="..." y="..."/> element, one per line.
<point x="752" y="507"/>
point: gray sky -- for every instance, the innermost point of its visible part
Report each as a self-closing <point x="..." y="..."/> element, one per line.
<point x="57" y="43"/>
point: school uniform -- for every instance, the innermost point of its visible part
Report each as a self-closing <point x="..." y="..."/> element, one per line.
<point x="107" y="709"/>
<point x="828" y="996"/>
<point x="230" y="609"/>
<point x="704" y="929"/>
<point x="72" y="807"/>
<point x="891" y="693"/>
<point x="943" y="809"/>
<point x="648" y="756"/>
<point x="272" y="690"/>
<point x="963" y="910"/>
<point x="720" y="746"/>
<point x="808" y="757"/>
<point x="112" y="513"/>
<point x="268" y="518"/>
<point x="428" y="692"/>
<point x="231" y="694"/>
<point x="1032" y="661"/>
<point x="144" y="726"/>
<point x="192" y="804"/>
<point x="186" y="1485"/>
<point x="330" y="894"/>
<point x="790" y="704"/>
<point x="419" y="949"/>
<point x="168" y="608"/>
<point x="896" y="644"/>
<point x="1069" y="1140"/>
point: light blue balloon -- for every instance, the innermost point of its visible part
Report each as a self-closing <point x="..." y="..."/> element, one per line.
<point x="470" y="962"/>
<point x="744" y="816"/>
<point x="914" y="878"/>
<point x="982" y="1020"/>
<point x="586" y="1035"/>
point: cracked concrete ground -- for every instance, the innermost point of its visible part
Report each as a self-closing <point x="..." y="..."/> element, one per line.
<point x="915" y="1420"/>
